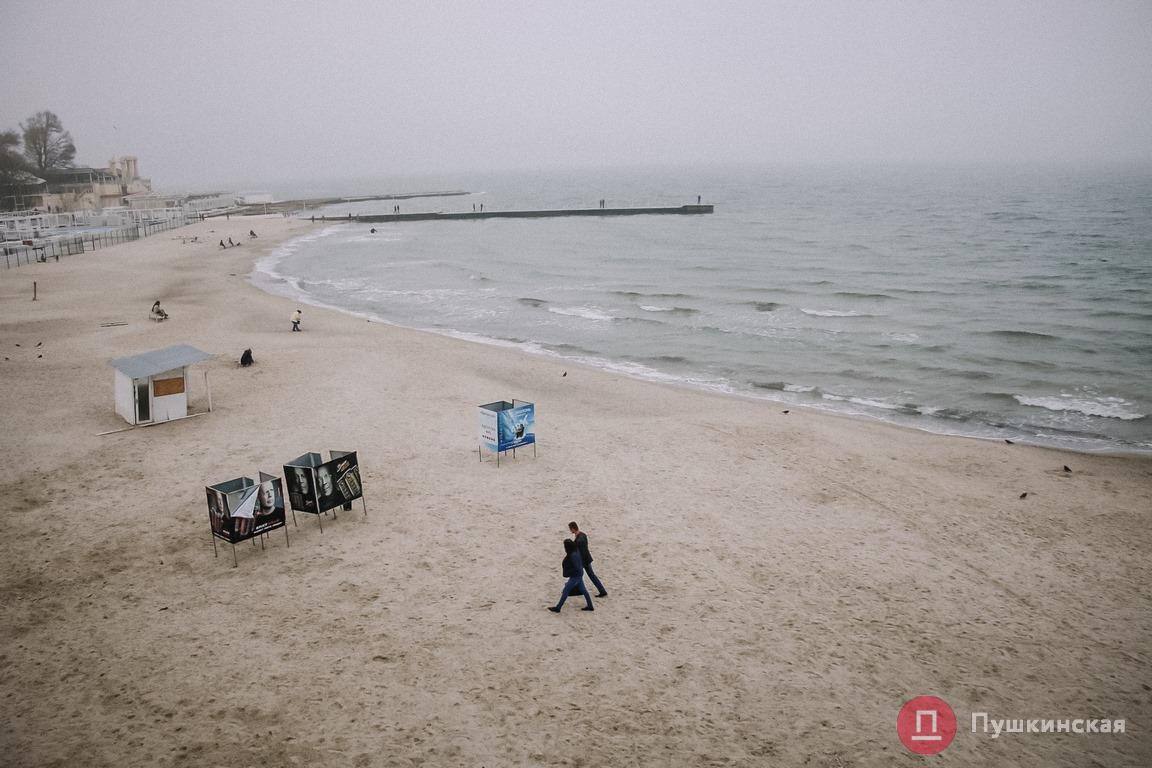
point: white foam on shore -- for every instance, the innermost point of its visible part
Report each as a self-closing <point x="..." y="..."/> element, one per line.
<point x="1104" y="407"/>
<point x="864" y="401"/>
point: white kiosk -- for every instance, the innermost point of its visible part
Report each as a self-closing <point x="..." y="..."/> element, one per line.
<point x="152" y="387"/>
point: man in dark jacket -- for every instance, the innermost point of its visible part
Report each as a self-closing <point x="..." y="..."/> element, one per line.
<point x="574" y="571"/>
<point x="582" y="545"/>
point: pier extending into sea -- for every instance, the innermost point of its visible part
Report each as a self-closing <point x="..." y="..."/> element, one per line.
<point x="375" y="218"/>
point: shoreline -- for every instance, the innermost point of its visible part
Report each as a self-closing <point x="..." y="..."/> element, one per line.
<point x="778" y="584"/>
<point x="921" y="422"/>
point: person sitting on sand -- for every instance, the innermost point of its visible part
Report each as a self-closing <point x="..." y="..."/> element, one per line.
<point x="251" y="233"/>
<point x="157" y="312"/>
<point x="222" y="244"/>
<point x="574" y="570"/>
<point x="230" y="243"/>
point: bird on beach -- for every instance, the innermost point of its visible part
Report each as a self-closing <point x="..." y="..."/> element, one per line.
<point x="1067" y="468"/>
<point x="564" y="374"/>
<point x="1009" y="441"/>
<point x="1024" y="495"/>
<point x="39" y="343"/>
<point x="786" y="412"/>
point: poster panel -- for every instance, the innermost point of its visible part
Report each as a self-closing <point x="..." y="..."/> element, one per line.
<point x="517" y="426"/>
<point x="218" y="514"/>
<point x="268" y="512"/>
<point x="301" y="488"/>
<point x="241" y="509"/>
<point x="489" y="432"/>
<point x="338" y="481"/>
<point x="241" y="504"/>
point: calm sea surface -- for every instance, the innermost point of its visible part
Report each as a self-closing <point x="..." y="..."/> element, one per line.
<point x="999" y="304"/>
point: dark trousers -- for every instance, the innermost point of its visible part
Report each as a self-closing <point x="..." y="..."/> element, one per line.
<point x="576" y="582"/>
<point x="595" y="581"/>
<point x="295" y="325"/>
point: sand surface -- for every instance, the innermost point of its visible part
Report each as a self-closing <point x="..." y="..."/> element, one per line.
<point x="779" y="583"/>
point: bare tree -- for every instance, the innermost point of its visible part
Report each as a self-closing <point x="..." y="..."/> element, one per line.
<point x="12" y="165"/>
<point x="46" y="144"/>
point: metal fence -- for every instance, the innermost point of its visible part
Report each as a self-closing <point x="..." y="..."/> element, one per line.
<point x="17" y="253"/>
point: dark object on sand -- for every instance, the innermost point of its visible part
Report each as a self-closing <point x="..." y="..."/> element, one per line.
<point x="246" y="358"/>
<point x="1067" y="468"/>
<point x="564" y="374"/>
<point x="786" y="412"/>
<point x="1009" y="442"/>
<point x="1024" y="495"/>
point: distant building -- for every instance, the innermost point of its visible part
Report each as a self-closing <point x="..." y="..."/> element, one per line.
<point x="76" y="189"/>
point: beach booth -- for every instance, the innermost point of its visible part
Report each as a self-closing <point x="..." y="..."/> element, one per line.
<point x="152" y="387"/>
<point x="241" y="508"/>
<point x="506" y="426"/>
<point x="316" y="486"/>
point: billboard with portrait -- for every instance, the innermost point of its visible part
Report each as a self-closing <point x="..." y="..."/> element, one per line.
<point x="338" y="481"/>
<point x="300" y="477"/>
<point x="243" y="509"/>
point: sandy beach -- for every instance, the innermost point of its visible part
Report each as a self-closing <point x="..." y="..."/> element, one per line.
<point x="779" y="583"/>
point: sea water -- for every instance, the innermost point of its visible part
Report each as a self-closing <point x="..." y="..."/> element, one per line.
<point x="994" y="303"/>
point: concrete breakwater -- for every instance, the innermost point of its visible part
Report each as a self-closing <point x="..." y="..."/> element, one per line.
<point x="440" y="216"/>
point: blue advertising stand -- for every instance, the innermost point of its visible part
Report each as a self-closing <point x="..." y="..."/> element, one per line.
<point x="506" y="426"/>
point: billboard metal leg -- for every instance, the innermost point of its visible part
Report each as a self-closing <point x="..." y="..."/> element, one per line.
<point x="286" y="536"/>
<point x="364" y="504"/>
<point x="235" y="562"/>
<point x="214" y="552"/>
<point x="294" y="524"/>
<point x="320" y="521"/>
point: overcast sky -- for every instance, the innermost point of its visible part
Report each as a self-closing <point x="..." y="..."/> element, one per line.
<point x="212" y="92"/>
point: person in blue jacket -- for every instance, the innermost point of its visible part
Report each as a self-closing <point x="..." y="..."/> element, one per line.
<point x="574" y="571"/>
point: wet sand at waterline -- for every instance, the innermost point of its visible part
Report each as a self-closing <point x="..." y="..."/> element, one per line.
<point x="779" y="583"/>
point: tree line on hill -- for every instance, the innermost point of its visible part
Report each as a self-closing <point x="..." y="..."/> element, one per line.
<point x="46" y="147"/>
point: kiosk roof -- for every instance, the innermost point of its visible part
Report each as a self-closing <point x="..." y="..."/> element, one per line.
<point x="158" y="361"/>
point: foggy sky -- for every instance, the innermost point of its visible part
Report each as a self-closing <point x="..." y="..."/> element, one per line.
<point x="210" y="92"/>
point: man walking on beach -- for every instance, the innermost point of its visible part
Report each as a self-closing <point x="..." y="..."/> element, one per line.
<point x="296" y="320"/>
<point x="586" y="557"/>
